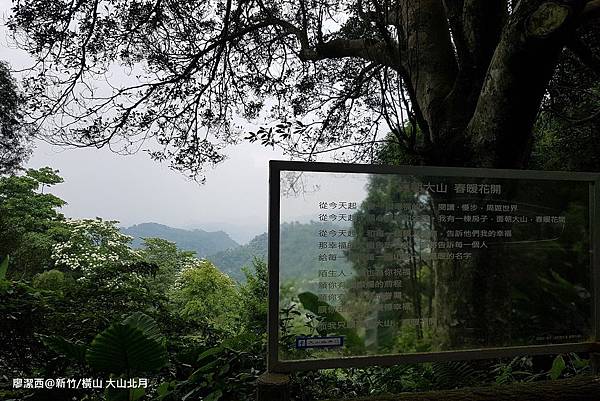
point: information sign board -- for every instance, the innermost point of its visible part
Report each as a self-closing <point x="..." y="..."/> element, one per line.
<point x="381" y="265"/>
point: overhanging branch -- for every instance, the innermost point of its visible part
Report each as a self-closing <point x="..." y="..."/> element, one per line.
<point x="367" y="49"/>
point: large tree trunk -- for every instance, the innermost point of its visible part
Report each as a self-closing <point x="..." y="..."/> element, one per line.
<point x="500" y="131"/>
<point x="475" y="74"/>
<point x="480" y="112"/>
<point x="479" y="92"/>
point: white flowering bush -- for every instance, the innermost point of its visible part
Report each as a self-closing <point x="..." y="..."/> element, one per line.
<point x="93" y="245"/>
<point x="108" y="279"/>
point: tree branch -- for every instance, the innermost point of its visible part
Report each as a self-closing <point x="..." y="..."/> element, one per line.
<point x="500" y="131"/>
<point x="367" y="49"/>
<point x="431" y="64"/>
<point x="591" y="10"/>
<point x="584" y="54"/>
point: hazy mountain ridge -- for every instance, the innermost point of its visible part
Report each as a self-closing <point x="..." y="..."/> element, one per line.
<point x="204" y="243"/>
<point x="298" y="245"/>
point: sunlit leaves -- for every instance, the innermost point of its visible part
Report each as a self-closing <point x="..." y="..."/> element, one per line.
<point x="204" y="296"/>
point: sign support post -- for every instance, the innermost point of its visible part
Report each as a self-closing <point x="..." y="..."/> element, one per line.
<point x="273" y="387"/>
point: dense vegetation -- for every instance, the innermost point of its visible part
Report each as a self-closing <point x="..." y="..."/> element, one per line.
<point x="78" y="301"/>
<point x="505" y="84"/>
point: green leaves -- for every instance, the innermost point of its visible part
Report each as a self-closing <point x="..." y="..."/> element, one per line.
<point x="4" y="267"/>
<point x="28" y="219"/>
<point x="165" y="388"/>
<point x="133" y="345"/>
<point x="146" y="324"/>
<point x="558" y="366"/>
<point x="221" y="373"/>
<point x="45" y="176"/>
<point x="311" y="302"/>
<point x="62" y="346"/>
<point x="206" y="297"/>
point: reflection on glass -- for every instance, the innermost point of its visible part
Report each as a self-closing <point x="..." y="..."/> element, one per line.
<point x="416" y="264"/>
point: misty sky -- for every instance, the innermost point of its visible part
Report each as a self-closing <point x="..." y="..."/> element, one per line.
<point x="135" y="189"/>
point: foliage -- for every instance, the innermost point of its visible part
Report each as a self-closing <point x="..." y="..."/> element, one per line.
<point x="558" y="366"/>
<point x="375" y="381"/>
<point x="51" y="280"/>
<point x="570" y="113"/>
<point x="128" y="348"/>
<point x="133" y="346"/>
<point x="206" y="298"/>
<point x="168" y="258"/>
<point x="391" y="153"/>
<point x="105" y="279"/>
<point x="253" y="295"/>
<point x="316" y="76"/>
<point x="24" y="310"/>
<point x="222" y="373"/>
<point x="15" y="136"/>
<point x="29" y="219"/>
<point x="92" y="246"/>
<point x="109" y="309"/>
<point x="228" y="371"/>
<point x="97" y="278"/>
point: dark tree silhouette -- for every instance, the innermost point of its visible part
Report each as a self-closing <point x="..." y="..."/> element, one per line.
<point x="316" y="76"/>
<point x="14" y="136"/>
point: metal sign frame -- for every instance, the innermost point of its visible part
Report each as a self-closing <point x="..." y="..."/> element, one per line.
<point x="274" y="364"/>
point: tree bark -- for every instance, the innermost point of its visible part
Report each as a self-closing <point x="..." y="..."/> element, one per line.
<point x="430" y="63"/>
<point x="498" y="135"/>
<point x="500" y="131"/>
<point x="584" y="388"/>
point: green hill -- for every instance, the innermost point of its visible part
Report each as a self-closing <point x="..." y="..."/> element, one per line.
<point x="232" y="260"/>
<point x="298" y="248"/>
<point x="204" y="243"/>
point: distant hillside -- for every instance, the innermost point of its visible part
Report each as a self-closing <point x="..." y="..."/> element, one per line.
<point x="203" y="242"/>
<point x="298" y="249"/>
<point x="232" y="260"/>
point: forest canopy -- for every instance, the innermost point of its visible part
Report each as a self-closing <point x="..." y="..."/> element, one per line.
<point x="455" y="82"/>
